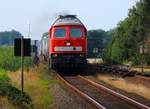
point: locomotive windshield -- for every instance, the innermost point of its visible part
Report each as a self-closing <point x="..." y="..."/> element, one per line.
<point x="75" y="32"/>
<point x="61" y="32"/>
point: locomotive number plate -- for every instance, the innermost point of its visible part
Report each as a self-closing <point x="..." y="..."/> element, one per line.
<point x="79" y="48"/>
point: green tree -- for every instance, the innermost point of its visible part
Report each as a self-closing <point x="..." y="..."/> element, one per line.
<point x="97" y="39"/>
<point x="7" y="37"/>
<point x="129" y="35"/>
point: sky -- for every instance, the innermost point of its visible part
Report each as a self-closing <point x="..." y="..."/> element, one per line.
<point x="40" y="14"/>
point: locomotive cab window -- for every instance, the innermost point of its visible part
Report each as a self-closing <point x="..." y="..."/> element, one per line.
<point x="60" y="32"/>
<point x="75" y="32"/>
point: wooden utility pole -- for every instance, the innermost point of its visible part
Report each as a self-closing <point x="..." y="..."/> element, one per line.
<point x="22" y="65"/>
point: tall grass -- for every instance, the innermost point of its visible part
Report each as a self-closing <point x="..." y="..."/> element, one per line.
<point x="9" y="62"/>
<point x="37" y="81"/>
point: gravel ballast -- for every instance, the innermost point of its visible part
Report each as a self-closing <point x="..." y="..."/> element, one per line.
<point x="67" y="99"/>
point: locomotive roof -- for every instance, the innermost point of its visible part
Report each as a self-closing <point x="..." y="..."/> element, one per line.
<point x="67" y="20"/>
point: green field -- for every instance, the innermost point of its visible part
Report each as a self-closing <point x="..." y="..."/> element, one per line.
<point x="9" y="62"/>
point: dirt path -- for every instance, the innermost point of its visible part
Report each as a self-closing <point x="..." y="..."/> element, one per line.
<point x="139" y="80"/>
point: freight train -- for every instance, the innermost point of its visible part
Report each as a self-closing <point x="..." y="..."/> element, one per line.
<point x="66" y="43"/>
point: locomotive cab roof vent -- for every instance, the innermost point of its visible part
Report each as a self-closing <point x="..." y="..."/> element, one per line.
<point x="67" y="16"/>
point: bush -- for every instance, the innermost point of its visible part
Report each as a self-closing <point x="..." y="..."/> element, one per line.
<point x="3" y="76"/>
<point x="15" y="96"/>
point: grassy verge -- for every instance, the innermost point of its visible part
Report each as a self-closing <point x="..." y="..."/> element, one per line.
<point x="37" y="82"/>
<point x="128" y="87"/>
<point x="37" y="79"/>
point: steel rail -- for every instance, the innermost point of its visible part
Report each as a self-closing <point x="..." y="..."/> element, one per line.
<point x="125" y="98"/>
<point x="80" y="93"/>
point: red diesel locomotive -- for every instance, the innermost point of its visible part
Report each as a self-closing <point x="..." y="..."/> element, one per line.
<point x="67" y="43"/>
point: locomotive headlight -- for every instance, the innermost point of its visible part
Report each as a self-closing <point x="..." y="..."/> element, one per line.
<point x="81" y="55"/>
<point x="68" y="43"/>
<point x="55" y="55"/>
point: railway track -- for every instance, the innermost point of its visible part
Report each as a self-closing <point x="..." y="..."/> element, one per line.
<point x="99" y="96"/>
